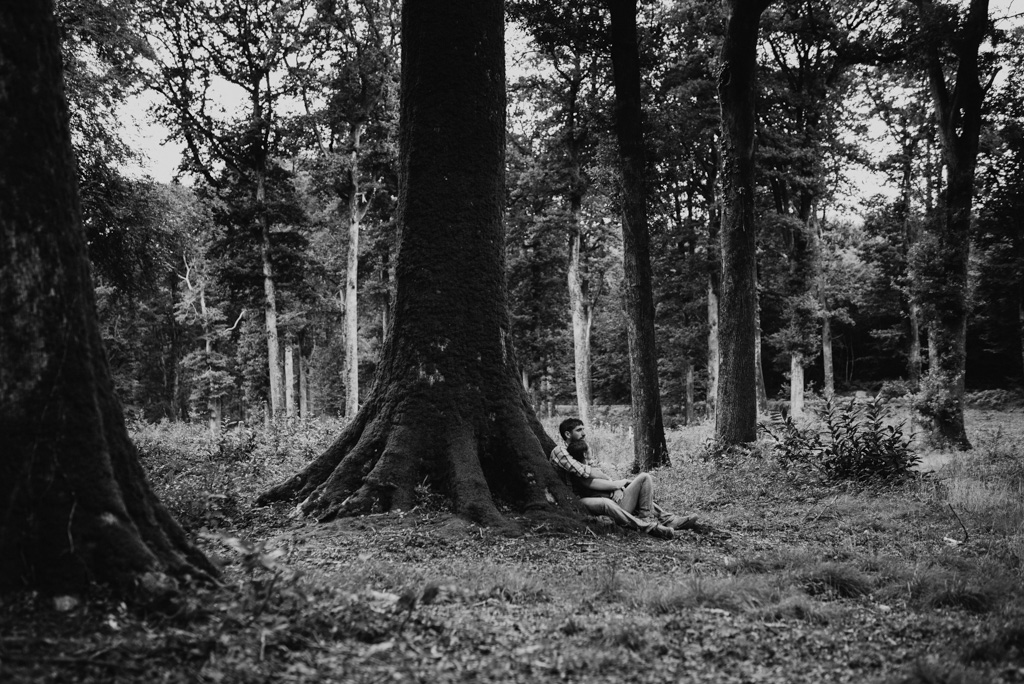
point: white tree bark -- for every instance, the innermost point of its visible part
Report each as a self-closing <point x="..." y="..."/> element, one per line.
<point x="270" y="307"/>
<point x="796" y="385"/>
<point x="289" y="380"/>
<point x="303" y="386"/>
<point x="713" y="353"/>
<point x="355" y="215"/>
<point x="582" y="317"/>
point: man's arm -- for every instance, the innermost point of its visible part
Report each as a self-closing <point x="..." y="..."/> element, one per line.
<point x="561" y="459"/>
<point x="603" y="484"/>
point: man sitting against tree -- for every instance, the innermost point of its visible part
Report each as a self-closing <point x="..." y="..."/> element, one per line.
<point x="629" y="503"/>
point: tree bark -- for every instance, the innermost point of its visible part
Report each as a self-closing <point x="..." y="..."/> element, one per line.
<point x="269" y="300"/>
<point x="826" y="355"/>
<point x="354" y="219"/>
<point x="304" y="403"/>
<point x="762" y="393"/>
<point x="582" y="318"/>
<point x="944" y="287"/>
<point x="289" y="380"/>
<point x="649" y="447"/>
<point x="688" y="417"/>
<point x="446" y="406"/>
<point x="713" y="353"/>
<point x="736" y="412"/>
<point x="75" y="507"/>
<point x="796" y="385"/>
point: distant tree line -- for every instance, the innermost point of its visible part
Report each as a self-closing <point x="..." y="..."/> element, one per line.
<point x="265" y="286"/>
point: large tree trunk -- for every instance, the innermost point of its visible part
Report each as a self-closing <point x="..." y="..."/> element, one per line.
<point x="649" y="447"/>
<point x="736" y="412"/>
<point x="582" y="320"/>
<point x="943" y="290"/>
<point x="446" y="405"/>
<point x="75" y="506"/>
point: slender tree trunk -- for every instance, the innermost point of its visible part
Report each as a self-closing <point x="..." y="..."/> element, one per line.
<point x="289" y="380"/>
<point x="269" y="301"/>
<point x="303" y="386"/>
<point x="447" y="406"/>
<point x="796" y="385"/>
<point x="352" y="280"/>
<point x="910" y="236"/>
<point x="581" y="325"/>
<point x="915" y="363"/>
<point x="649" y="447"/>
<point x="213" y="405"/>
<point x="713" y="353"/>
<point x="762" y="393"/>
<point x="688" y="417"/>
<point x="736" y="410"/>
<point x="826" y="356"/>
<point x="75" y="506"/>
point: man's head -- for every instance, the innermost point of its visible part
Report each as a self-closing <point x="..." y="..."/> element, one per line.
<point x="572" y="430"/>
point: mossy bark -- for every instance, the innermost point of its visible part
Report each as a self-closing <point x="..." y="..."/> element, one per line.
<point x="736" y="405"/>
<point x="649" y="447"/>
<point x="446" y="407"/>
<point x="941" y="260"/>
<point x="75" y="507"/>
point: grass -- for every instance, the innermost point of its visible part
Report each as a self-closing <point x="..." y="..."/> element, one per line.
<point x="819" y="582"/>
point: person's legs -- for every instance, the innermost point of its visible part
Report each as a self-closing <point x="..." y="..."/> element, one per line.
<point x="598" y="505"/>
<point x="638" y="497"/>
<point x="680" y="521"/>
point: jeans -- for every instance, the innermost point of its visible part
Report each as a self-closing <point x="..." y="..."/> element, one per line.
<point x="637" y="502"/>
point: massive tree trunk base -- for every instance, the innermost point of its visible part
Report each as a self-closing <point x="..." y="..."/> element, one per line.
<point x="71" y="534"/>
<point x="402" y="446"/>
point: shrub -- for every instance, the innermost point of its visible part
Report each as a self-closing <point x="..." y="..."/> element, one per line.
<point x="855" y="444"/>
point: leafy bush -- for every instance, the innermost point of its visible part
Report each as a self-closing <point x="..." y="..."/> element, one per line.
<point x="994" y="399"/>
<point x="897" y="389"/>
<point x="855" y="444"/>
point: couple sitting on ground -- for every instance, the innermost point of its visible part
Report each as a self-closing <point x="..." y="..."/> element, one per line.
<point x="629" y="503"/>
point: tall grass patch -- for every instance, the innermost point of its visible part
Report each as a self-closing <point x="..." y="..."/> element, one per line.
<point x="211" y="481"/>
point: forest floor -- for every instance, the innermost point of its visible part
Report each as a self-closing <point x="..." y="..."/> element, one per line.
<point x="919" y="582"/>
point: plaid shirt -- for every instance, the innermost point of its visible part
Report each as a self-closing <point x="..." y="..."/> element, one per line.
<point x="564" y="462"/>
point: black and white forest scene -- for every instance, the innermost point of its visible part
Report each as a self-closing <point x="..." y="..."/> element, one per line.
<point x="598" y="341"/>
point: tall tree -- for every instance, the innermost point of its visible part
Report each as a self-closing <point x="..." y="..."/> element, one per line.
<point x="349" y="128"/>
<point x="649" y="447"/>
<point x="245" y="44"/>
<point x="940" y="259"/>
<point x="447" y="405"/>
<point x="736" y="414"/>
<point x="572" y="40"/>
<point x="75" y="504"/>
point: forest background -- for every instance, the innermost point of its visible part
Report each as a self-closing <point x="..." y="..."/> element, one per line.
<point x="247" y="285"/>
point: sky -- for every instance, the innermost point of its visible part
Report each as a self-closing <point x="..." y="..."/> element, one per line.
<point x="161" y="156"/>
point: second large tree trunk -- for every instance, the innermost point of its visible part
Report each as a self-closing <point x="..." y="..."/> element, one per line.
<point x="736" y="410"/>
<point x="75" y="507"/>
<point x="942" y="259"/>
<point x="446" y="407"/>
<point x="649" y="447"/>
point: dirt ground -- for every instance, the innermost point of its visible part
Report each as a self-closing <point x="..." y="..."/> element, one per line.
<point x="814" y="584"/>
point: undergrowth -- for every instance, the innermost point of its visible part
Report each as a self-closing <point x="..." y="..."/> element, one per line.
<point x="854" y="441"/>
<point x="894" y="575"/>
